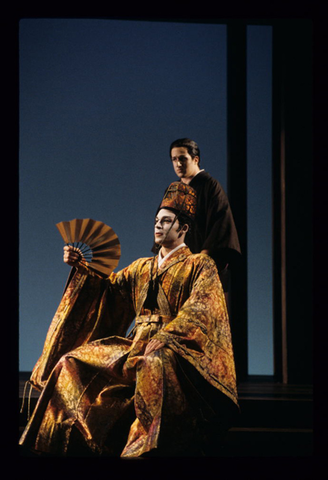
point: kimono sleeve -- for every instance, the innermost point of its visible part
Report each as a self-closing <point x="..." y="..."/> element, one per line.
<point x="92" y="307"/>
<point x="221" y="238"/>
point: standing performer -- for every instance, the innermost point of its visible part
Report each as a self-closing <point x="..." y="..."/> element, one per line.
<point x="214" y="232"/>
<point x="169" y="389"/>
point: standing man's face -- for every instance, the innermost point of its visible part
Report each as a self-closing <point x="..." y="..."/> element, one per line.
<point x="184" y="165"/>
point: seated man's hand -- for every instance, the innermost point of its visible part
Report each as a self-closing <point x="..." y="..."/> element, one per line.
<point x="153" y="345"/>
<point x="72" y="256"/>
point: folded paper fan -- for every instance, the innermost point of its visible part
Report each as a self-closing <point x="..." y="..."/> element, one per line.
<point x="97" y="243"/>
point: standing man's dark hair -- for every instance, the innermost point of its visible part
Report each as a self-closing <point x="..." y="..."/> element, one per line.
<point x="189" y="144"/>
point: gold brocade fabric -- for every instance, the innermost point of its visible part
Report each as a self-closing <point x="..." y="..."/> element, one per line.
<point x="99" y="393"/>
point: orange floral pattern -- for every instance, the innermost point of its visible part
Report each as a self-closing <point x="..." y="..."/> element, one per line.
<point x="181" y="197"/>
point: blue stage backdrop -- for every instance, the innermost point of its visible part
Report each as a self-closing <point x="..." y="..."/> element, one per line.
<point x="100" y="103"/>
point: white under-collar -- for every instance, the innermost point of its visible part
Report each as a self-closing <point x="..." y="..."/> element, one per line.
<point x="197" y="173"/>
<point x="161" y="258"/>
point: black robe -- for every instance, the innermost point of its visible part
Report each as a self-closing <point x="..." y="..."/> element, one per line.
<point x="214" y="228"/>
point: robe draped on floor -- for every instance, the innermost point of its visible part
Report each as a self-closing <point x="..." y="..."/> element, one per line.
<point x="101" y="394"/>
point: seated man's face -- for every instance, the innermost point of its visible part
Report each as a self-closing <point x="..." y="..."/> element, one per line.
<point x="167" y="231"/>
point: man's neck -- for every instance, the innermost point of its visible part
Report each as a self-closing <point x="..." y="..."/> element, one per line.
<point x="187" y="180"/>
<point x="164" y="251"/>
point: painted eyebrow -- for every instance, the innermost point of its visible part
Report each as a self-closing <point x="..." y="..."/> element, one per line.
<point x="164" y="218"/>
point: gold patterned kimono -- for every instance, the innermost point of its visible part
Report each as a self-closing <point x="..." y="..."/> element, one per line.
<point x="100" y="394"/>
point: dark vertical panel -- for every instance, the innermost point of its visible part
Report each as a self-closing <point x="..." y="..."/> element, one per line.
<point x="237" y="184"/>
<point x="279" y="209"/>
<point x="293" y="212"/>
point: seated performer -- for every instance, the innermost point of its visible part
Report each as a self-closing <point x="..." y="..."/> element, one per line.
<point x="169" y="388"/>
